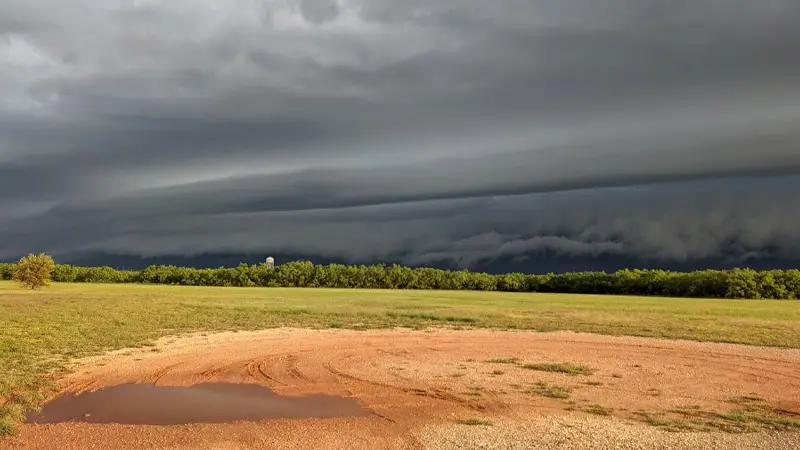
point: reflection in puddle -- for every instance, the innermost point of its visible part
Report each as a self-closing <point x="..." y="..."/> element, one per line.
<point x="147" y="404"/>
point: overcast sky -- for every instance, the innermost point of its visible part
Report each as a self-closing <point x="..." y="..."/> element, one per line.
<point x="426" y="132"/>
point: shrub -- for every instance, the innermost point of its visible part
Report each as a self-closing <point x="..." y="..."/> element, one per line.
<point x="7" y="271"/>
<point x="34" y="271"/>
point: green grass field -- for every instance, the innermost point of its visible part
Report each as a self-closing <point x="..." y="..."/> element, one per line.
<point x="41" y="331"/>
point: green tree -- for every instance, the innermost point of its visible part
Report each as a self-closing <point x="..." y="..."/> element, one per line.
<point x="34" y="271"/>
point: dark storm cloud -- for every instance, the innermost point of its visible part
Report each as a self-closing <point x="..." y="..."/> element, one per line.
<point x="162" y="127"/>
<point x="318" y="11"/>
<point x="736" y="220"/>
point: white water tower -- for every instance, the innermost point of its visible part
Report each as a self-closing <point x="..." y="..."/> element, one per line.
<point x="270" y="262"/>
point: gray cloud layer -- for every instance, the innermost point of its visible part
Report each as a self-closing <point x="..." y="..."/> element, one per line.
<point x="419" y="131"/>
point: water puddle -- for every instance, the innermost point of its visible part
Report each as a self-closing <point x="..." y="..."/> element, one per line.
<point x="147" y="404"/>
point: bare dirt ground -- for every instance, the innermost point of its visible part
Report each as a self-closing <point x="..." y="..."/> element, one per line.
<point x="419" y="384"/>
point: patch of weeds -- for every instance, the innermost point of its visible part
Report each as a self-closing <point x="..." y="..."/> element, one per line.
<point x="747" y="399"/>
<point x="593" y="383"/>
<point x="616" y="375"/>
<point x="654" y="392"/>
<point x="434" y="317"/>
<point x="460" y="319"/>
<point x="568" y="368"/>
<point x="10" y="416"/>
<point x="552" y="391"/>
<point x="292" y="312"/>
<point x="760" y="419"/>
<point x="599" y="410"/>
<point x="471" y="360"/>
<point x="155" y="350"/>
<point x="686" y="410"/>
<point x="475" y="391"/>
<point x="503" y="361"/>
<point x="475" y="422"/>
<point x="7" y="426"/>
<point x="746" y="420"/>
<point x="497" y="372"/>
<point x="637" y="365"/>
<point x="668" y="424"/>
<point x="457" y="375"/>
<point x="516" y="386"/>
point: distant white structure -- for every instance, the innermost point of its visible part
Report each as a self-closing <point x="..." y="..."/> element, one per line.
<point x="270" y="262"/>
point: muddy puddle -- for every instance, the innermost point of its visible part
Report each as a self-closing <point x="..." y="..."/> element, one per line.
<point x="147" y="404"/>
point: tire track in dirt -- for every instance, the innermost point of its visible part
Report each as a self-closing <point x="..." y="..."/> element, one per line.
<point x="759" y="366"/>
<point x="437" y="395"/>
<point x="489" y="401"/>
<point x="160" y="374"/>
<point x="257" y="370"/>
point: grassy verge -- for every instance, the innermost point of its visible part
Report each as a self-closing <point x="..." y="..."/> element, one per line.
<point x="41" y="331"/>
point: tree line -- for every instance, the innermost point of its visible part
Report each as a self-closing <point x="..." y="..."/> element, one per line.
<point x="735" y="283"/>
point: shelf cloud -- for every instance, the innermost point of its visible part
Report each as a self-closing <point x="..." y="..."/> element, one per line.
<point x="444" y="132"/>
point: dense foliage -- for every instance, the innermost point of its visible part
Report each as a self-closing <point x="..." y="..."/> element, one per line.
<point x="736" y="283"/>
<point x="33" y="271"/>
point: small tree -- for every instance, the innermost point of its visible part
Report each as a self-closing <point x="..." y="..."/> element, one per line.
<point x="34" y="271"/>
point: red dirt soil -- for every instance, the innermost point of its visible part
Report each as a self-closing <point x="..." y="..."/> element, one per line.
<point x="420" y="383"/>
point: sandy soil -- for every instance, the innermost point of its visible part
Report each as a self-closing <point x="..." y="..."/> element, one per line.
<point x="420" y="383"/>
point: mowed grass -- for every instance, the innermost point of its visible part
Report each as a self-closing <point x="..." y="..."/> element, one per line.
<point x="41" y="331"/>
